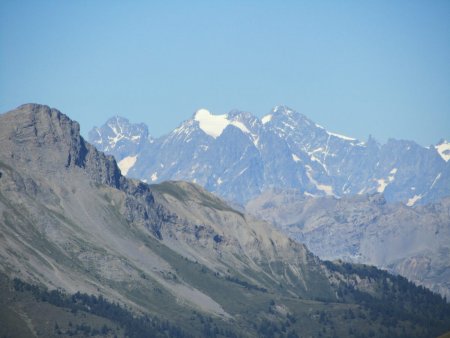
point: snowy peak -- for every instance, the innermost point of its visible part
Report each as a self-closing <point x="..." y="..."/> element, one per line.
<point x="116" y="130"/>
<point x="214" y="125"/>
<point x="283" y="110"/>
<point x="122" y="139"/>
<point x="343" y="137"/>
<point x="286" y="118"/>
<point x="443" y="148"/>
<point x="238" y="155"/>
<point x="287" y="121"/>
<point x="286" y="113"/>
<point x="266" y="119"/>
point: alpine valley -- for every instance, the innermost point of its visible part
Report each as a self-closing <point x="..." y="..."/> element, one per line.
<point x="86" y="251"/>
<point x="360" y="201"/>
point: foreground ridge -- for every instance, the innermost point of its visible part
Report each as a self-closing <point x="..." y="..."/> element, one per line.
<point x="70" y="221"/>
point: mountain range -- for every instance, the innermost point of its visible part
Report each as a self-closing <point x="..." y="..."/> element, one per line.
<point x="81" y="243"/>
<point x="239" y="156"/>
<point x="412" y="242"/>
<point x="297" y="175"/>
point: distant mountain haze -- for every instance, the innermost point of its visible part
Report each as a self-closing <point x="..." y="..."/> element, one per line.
<point x="239" y="156"/>
<point x="299" y="176"/>
<point x="70" y="221"/>
<point x="412" y="242"/>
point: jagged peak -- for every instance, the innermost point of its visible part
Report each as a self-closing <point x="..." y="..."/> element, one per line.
<point x="48" y="140"/>
<point x="33" y="107"/>
<point x="214" y="125"/>
<point x="116" y="130"/>
<point x="240" y="114"/>
<point x="283" y="112"/>
<point x="117" y="119"/>
<point x="121" y="121"/>
<point x="45" y="120"/>
<point x="443" y="148"/>
<point x="282" y="109"/>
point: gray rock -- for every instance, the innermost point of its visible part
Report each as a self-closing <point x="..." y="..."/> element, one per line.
<point x="411" y="241"/>
<point x="283" y="150"/>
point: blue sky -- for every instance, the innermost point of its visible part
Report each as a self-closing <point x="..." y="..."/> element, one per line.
<point x="355" y="67"/>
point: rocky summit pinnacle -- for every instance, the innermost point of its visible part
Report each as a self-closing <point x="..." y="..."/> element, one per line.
<point x="49" y="139"/>
<point x="286" y="150"/>
<point x="77" y="235"/>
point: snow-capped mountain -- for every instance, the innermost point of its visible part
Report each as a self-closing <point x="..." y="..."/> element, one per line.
<point x="443" y="148"/>
<point x="123" y="139"/>
<point x="77" y="236"/>
<point x="238" y="156"/>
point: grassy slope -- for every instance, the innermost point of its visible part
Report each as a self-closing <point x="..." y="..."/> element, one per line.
<point x="21" y="315"/>
<point x="252" y="309"/>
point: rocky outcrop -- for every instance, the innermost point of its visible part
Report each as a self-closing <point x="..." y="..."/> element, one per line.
<point x="48" y="139"/>
<point x="239" y="156"/>
<point x="412" y="242"/>
<point x="70" y="221"/>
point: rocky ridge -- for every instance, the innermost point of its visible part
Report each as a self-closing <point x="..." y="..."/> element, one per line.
<point x="239" y="156"/>
<point x="412" y="242"/>
<point x="70" y="220"/>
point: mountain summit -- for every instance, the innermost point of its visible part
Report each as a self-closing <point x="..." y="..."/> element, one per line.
<point x="71" y="223"/>
<point x="239" y="156"/>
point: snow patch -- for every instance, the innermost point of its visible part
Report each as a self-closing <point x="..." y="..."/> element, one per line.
<point x="113" y="140"/>
<point x="315" y="159"/>
<point x="444" y="150"/>
<point x="266" y="119"/>
<point x="242" y="171"/>
<point x="126" y="164"/>
<point x="327" y="189"/>
<point x="341" y="136"/>
<point x="383" y="183"/>
<point x="318" y="126"/>
<point x="213" y="125"/>
<point x="413" y="200"/>
<point x="287" y="125"/>
<point x="435" y="180"/>
<point x="241" y="126"/>
<point x="255" y="140"/>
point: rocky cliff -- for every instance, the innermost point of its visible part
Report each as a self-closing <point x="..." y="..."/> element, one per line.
<point x="412" y="242"/>
<point x="239" y="156"/>
<point x="70" y="221"/>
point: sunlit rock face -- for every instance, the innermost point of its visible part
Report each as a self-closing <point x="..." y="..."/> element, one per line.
<point x="239" y="156"/>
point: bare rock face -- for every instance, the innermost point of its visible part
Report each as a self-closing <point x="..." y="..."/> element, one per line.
<point x="412" y="242"/>
<point x="69" y="220"/>
<point x="58" y="178"/>
<point x="239" y="156"/>
<point x="48" y="139"/>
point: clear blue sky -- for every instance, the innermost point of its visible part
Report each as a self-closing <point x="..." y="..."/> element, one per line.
<point x="355" y="67"/>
